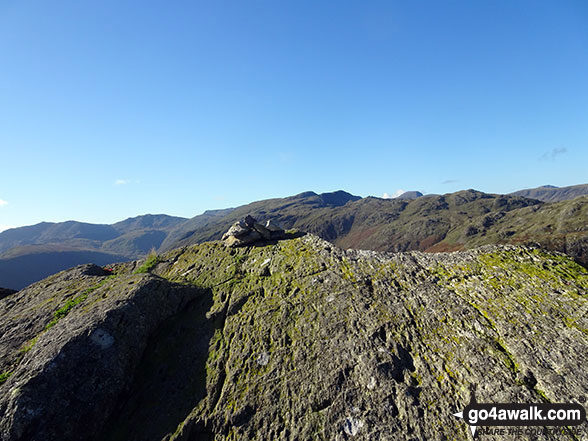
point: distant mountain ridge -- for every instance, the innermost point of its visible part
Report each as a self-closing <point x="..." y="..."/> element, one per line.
<point x="30" y="253"/>
<point x="92" y="236"/>
<point x="551" y="193"/>
<point x="453" y="221"/>
<point x="48" y="232"/>
<point x="211" y="226"/>
<point x="410" y="195"/>
<point x="370" y="223"/>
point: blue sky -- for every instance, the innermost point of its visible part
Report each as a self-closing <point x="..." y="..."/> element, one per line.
<point x="117" y="108"/>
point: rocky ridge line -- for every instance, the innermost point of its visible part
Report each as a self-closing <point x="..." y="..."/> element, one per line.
<point x="291" y="340"/>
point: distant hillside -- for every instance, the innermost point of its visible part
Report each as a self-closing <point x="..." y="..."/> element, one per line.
<point x="453" y="221"/>
<point x="22" y="270"/>
<point x="197" y="223"/>
<point x="550" y="193"/>
<point x="72" y="232"/>
<point x="561" y="226"/>
<point x="290" y="212"/>
<point x="368" y="223"/>
<point x="410" y="195"/>
<point x="385" y="225"/>
<point x="159" y="222"/>
<point x="30" y="253"/>
<point x="96" y="237"/>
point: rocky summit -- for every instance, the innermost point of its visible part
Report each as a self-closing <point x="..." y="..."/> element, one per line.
<point x="293" y="339"/>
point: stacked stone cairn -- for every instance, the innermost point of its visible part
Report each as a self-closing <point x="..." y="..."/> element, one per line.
<point x="248" y="231"/>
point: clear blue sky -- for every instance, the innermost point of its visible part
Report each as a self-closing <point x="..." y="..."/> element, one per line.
<point x="112" y="108"/>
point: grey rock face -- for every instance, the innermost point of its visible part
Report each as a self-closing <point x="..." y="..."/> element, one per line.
<point x="238" y="229"/>
<point x="352" y="426"/>
<point x="68" y="376"/>
<point x="273" y="227"/>
<point x="294" y="340"/>
<point x="264" y="232"/>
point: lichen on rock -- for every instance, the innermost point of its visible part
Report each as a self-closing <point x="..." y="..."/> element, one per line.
<point x="293" y="340"/>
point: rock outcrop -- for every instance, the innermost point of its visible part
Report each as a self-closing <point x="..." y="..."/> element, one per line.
<point x="295" y="340"/>
<point x="248" y="231"/>
<point x="71" y="344"/>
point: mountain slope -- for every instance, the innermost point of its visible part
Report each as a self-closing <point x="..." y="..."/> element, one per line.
<point x="549" y="193"/>
<point x="159" y="222"/>
<point x="20" y="270"/>
<point x="367" y="223"/>
<point x="291" y="340"/>
<point x="286" y="211"/>
<point x="197" y="223"/>
<point x="454" y="221"/>
<point x="86" y="236"/>
<point x="76" y="233"/>
<point x="28" y="254"/>
<point x="561" y="226"/>
<point x="421" y="223"/>
<point x="410" y="195"/>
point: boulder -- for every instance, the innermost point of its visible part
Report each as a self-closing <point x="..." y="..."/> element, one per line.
<point x="247" y="239"/>
<point x="238" y="229"/>
<point x="265" y="233"/>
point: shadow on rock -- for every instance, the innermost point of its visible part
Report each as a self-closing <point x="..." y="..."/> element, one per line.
<point x="171" y="377"/>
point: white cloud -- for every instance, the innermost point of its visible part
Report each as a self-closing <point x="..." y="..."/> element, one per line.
<point x="6" y="227"/>
<point x="394" y="195"/>
<point x="3" y="203"/>
<point x="554" y="153"/>
<point x="127" y="182"/>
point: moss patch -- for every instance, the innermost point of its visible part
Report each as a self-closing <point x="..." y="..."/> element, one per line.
<point x="152" y="260"/>
<point x="4" y="376"/>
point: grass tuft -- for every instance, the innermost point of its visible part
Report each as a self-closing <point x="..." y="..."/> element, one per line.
<point x="152" y="260"/>
<point x="4" y="376"/>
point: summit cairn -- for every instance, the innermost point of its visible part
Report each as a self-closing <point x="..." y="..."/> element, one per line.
<point x="248" y="231"/>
